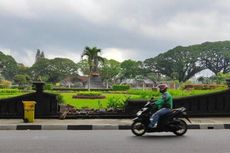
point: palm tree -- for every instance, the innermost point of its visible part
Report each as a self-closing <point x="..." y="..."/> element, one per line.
<point x="93" y="60"/>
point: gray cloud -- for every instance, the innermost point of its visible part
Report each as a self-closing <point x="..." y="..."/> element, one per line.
<point x="130" y="29"/>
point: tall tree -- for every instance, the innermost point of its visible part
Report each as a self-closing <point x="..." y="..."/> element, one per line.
<point x="216" y="56"/>
<point x="21" y="79"/>
<point x="53" y="70"/>
<point x="180" y="63"/>
<point x="83" y="66"/>
<point x="130" y="69"/>
<point x="93" y="61"/>
<point x="109" y="70"/>
<point x="8" y="66"/>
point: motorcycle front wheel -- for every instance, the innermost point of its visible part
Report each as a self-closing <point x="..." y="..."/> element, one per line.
<point x="138" y="128"/>
<point x="182" y="128"/>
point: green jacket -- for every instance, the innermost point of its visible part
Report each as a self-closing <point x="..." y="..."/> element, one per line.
<point x="166" y="100"/>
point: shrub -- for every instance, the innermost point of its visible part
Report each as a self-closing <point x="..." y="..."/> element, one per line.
<point x="48" y="86"/>
<point x="120" y="87"/>
<point x="116" y="102"/>
<point x="144" y="94"/>
<point x="202" y="86"/>
<point x="60" y="99"/>
<point x="5" y="84"/>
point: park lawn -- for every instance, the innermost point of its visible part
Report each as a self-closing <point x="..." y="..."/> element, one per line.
<point x="93" y="103"/>
<point x="4" y="96"/>
<point x="132" y="94"/>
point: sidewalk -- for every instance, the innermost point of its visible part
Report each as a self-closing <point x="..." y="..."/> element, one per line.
<point x="102" y="124"/>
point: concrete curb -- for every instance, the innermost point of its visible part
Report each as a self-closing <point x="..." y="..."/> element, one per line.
<point x="99" y="127"/>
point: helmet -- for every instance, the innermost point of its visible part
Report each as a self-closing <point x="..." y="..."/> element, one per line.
<point x="163" y="87"/>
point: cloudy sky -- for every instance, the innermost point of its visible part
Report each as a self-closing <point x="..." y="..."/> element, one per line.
<point x="123" y="29"/>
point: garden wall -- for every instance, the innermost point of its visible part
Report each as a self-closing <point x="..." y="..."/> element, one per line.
<point x="46" y="105"/>
<point x="214" y="104"/>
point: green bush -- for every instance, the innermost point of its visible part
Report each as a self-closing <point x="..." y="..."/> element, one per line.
<point x="48" y="86"/>
<point x="202" y="86"/>
<point x="144" y="94"/>
<point x="116" y="102"/>
<point x="120" y="87"/>
<point x="5" y="84"/>
<point x="89" y="93"/>
<point x="60" y="99"/>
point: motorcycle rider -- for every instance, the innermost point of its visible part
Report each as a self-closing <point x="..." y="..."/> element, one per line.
<point x="164" y="105"/>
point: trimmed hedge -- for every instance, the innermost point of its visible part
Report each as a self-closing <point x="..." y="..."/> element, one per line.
<point x="79" y="89"/>
<point x="89" y="94"/>
<point x="202" y="86"/>
<point x="121" y="87"/>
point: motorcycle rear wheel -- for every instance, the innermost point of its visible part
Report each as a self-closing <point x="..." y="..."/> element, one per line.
<point x="138" y="128"/>
<point x="183" y="128"/>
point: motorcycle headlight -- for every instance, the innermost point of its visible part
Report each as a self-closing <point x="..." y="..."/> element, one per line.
<point x="139" y="113"/>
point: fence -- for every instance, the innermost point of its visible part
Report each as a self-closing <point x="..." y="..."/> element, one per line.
<point x="214" y="104"/>
<point x="46" y="105"/>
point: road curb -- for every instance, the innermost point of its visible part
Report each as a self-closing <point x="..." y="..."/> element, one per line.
<point x="99" y="127"/>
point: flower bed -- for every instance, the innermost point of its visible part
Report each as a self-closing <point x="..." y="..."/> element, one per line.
<point x="68" y="111"/>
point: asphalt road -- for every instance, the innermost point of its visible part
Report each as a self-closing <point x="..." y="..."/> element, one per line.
<point x="117" y="141"/>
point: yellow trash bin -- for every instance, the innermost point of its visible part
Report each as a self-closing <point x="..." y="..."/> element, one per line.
<point x="29" y="109"/>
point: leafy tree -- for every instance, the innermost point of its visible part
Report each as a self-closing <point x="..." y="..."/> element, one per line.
<point x="180" y="63"/>
<point x="109" y="70"/>
<point x="83" y="66"/>
<point x="130" y="69"/>
<point x="22" y="69"/>
<point x="53" y="70"/>
<point x="40" y="69"/>
<point x="8" y="66"/>
<point x="59" y="68"/>
<point x="216" y="56"/>
<point x="21" y="79"/>
<point x="93" y="60"/>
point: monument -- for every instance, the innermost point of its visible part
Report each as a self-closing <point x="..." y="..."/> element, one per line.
<point x="93" y="59"/>
<point x="95" y="80"/>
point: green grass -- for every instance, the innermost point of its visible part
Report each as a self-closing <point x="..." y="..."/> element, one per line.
<point x="132" y="94"/>
<point x="92" y="103"/>
<point x="3" y="96"/>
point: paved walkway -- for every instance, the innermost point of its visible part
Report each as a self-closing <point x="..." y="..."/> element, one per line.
<point x="102" y="124"/>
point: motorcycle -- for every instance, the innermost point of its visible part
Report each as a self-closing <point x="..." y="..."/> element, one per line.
<point x="170" y="122"/>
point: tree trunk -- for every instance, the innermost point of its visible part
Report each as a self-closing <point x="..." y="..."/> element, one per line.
<point x="89" y="83"/>
<point x="107" y="84"/>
